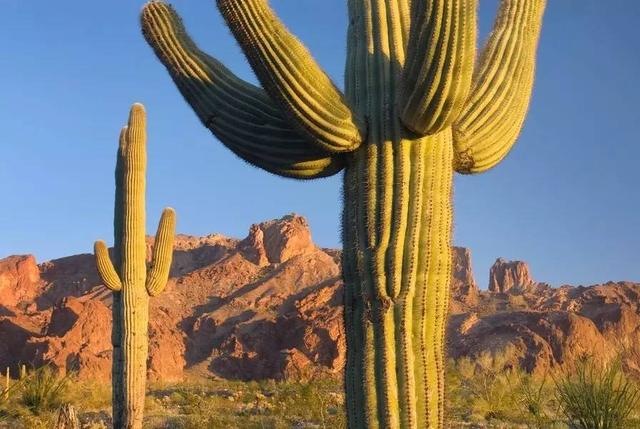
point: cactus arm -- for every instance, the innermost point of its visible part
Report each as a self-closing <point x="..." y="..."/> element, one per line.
<point x="292" y="77"/>
<point x="240" y="115"/>
<point x="106" y="269"/>
<point x="162" y="253"/>
<point x="439" y="63"/>
<point x="495" y="111"/>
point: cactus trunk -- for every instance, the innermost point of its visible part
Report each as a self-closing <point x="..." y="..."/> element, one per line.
<point x="134" y="306"/>
<point x="397" y="264"/>
<point x="416" y="108"/>
<point x="128" y="278"/>
<point x="397" y="238"/>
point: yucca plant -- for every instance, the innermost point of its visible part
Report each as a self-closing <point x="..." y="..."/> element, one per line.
<point x="596" y="397"/>
<point x="43" y="389"/>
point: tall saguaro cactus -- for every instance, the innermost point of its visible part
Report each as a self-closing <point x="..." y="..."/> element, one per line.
<point x="416" y="108"/>
<point x="128" y="277"/>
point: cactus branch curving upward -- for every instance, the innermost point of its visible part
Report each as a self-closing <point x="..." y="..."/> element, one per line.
<point x="128" y="278"/>
<point x="410" y="77"/>
<point x="439" y="68"/>
<point x="105" y="267"/>
<point x="493" y="117"/>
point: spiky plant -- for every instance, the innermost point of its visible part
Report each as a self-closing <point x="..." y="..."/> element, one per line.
<point x="43" y="389"/>
<point x="416" y="108"/>
<point x="128" y="277"/>
<point x="595" y="396"/>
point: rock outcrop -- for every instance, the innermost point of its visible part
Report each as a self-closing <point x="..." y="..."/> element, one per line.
<point x="19" y="280"/>
<point x="77" y="338"/>
<point x="552" y="327"/>
<point x="464" y="289"/>
<point x="510" y="276"/>
<point x="270" y="306"/>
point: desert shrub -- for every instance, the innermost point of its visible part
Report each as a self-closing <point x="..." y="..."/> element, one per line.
<point x="594" y="396"/>
<point x="536" y="399"/>
<point x="630" y="357"/>
<point x="43" y="390"/>
<point x="517" y="302"/>
<point x="483" y="389"/>
<point x="88" y="395"/>
<point x="248" y="405"/>
<point x="458" y="397"/>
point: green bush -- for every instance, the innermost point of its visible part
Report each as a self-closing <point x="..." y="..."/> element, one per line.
<point x="597" y="397"/>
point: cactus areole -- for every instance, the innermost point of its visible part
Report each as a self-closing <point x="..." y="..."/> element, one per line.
<point x="128" y="277"/>
<point x="417" y="106"/>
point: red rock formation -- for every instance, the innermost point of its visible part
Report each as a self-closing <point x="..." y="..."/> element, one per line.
<point x="508" y="276"/>
<point x="19" y="280"/>
<point x="535" y="341"/>
<point x="464" y="289"/>
<point x="279" y="240"/>
<point x="270" y="306"/>
<point x="253" y="246"/>
<point x="77" y="338"/>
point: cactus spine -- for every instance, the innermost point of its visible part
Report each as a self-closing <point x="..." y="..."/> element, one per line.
<point x="127" y="276"/>
<point x="416" y="108"/>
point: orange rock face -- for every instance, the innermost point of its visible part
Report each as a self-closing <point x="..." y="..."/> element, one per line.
<point x="464" y="289"/>
<point x="551" y="327"/>
<point x="270" y="306"/>
<point x="509" y="275"/>
<point x="19" y="280"/>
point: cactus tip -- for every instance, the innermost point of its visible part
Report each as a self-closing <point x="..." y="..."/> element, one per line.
<point x="169" y="214"/>
<point x="137" y="118"/>
<point x="137" y="107"/>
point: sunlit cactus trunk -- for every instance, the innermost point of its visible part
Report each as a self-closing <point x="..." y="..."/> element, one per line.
<point x="128" y="278"/>
<point x="397" y="287"/>
<point x="416" y="108"/>
<point x="396" y="235"/>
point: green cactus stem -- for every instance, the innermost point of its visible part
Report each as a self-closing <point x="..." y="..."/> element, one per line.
<point x="417" y="107"/>
<point x="128" y="277"/>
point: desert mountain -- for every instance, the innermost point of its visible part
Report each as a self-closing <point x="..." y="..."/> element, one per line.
<point x="269" y="306"/>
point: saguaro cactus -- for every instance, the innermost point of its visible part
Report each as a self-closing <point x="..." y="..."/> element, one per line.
<point x="416" y="108"/>
<point x="127" y="275"/>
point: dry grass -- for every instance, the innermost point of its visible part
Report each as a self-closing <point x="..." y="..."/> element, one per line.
<point x="484" y="393"/>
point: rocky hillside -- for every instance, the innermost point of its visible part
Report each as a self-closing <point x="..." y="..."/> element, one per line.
<point x="269" y="306"/>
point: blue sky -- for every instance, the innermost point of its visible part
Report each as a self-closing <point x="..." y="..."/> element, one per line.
<point x="566" y="199"/>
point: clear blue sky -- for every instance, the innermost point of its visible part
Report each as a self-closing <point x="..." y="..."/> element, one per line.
<point x="566" y="199"/>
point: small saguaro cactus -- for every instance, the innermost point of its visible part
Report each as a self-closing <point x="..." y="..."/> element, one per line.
<point x="417" y="107"/>
<point x="128" y="277"/>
